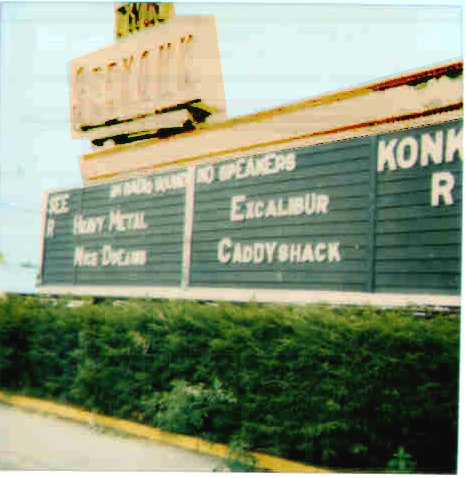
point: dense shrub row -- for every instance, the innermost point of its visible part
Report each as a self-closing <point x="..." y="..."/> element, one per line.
<point x="336" y="387"/>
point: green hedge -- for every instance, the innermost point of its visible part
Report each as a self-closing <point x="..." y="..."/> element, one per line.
<point x="336" y="387"/>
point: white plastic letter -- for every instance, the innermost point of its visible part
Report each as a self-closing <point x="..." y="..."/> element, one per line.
<point x="50" y="228"/>
<point x="223" y="254"/>
<point x="442" y="185"/>
<point x="235" y="214"/>
<point x="386" y="155"/>
<point x="432" y="148"/>
<point x="454" y="143"/>
<point x="407" y="144"/>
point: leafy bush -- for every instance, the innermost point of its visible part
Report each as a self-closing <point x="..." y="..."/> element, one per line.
<point x="238" y="458"/>
<point x="336" y="387"/>
<point x="401" y="462"/>
<point x="186" y="408"/>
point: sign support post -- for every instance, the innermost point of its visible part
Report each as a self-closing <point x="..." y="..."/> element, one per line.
<point x="188" y="226"/>
<point x="371" y="249"/>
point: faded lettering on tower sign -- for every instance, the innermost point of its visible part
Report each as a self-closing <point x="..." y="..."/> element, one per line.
<point x="146" y="81"/>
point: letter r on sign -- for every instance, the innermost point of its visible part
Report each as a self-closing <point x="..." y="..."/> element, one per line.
<point x="442" y="186"/>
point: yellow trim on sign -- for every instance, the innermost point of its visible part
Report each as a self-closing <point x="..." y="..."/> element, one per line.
<point x="260" y="116"/>
<point x="103" y="176"/>
<point x="324" y="99"/>
<point x="265" y="462"/>
<point x="239" y="149"/>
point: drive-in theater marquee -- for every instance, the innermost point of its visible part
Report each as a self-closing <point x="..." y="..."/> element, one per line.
<point x="370" y="216"/>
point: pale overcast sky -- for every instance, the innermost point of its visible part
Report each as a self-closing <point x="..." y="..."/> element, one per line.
<point x="271" y="54"/>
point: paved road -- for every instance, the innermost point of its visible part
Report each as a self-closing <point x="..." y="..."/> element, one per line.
<point x="30" y="441"/>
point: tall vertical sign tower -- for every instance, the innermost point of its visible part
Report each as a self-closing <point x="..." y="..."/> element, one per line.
<point x="133" y="17"/>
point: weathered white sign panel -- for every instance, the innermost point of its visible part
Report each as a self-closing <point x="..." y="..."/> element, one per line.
<point x="137" y="83"/>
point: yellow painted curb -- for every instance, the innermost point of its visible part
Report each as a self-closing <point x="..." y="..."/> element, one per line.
<point x="265" y="462"/>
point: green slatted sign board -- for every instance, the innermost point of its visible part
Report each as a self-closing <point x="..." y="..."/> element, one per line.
<point x="292" y="219"/>
<point x="125" y="233"/>
<point x="373" y="214"/>
<point x="419" y="202"/>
